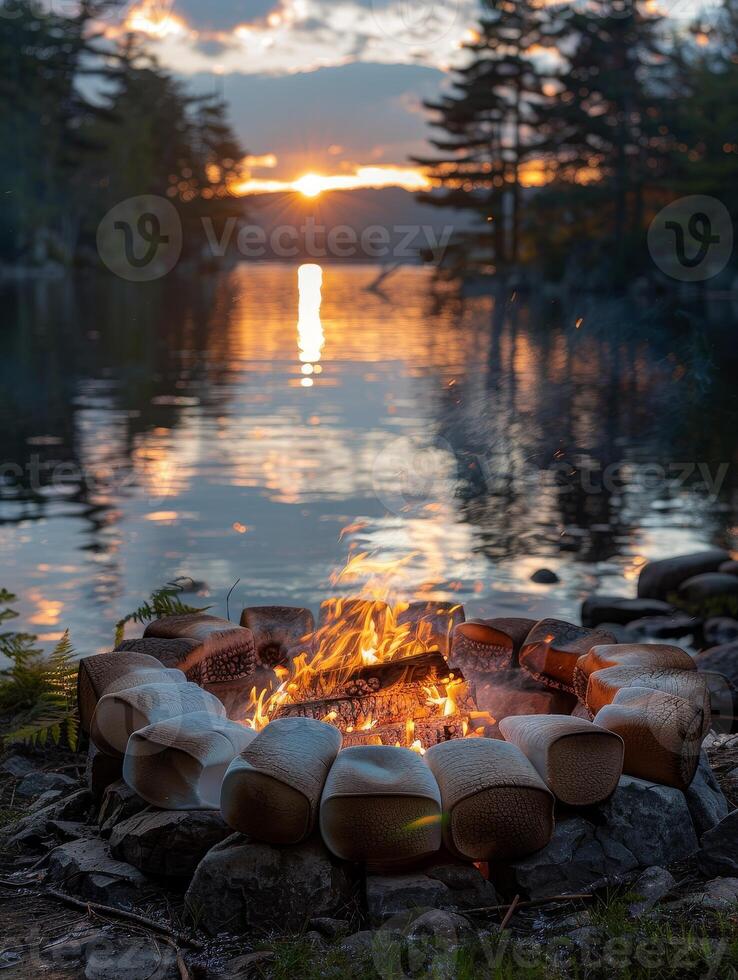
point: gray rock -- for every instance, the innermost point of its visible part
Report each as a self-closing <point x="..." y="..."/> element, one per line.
<point x="35" y="783"/>
<point x="650" y="887"/>
<point x="101" y="771"/>
<point x="46" y="799"/>
<point x="605" y="609"/>
<point x="642" y="824"/>
<point x="663" y="627"/>
<point x="730" y="782"/>
<point x="119" y="803"/>
<point x="360" y="944"/>
<point x="718" y="853"/>
<point x="70" y="952"/>
<point x="168" y="842"/>
<point x="16" y="765"/>
<point x="579" y="856"/>
<point x="652" y="821"/>
<point x="706" y="802"/>
<point x="468" y="887"/>
<point x="448" y="927"/>
<point x="85" y="868"/>
<point x="388" y="895"/>
<point x="723" y="702"/>
<point x="69" y="830"/>
<point x="721" y="659"/>
<point x="330" y="928"/>
<point x="75" y="806"/>
<point x="617" y="630"/>
<point x="711" y="593"/>
<point x="32" y="830"/>
<point x="660" y="578"/>
<point x="243" y="885"/>
<point x="117" y="957"/>
<point x="720" y="893"/>
<point x="719" y="630"/>
<point x="544" y="576"/>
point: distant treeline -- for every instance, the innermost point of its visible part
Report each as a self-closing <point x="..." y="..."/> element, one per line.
<point x="86" y="123"/>
<point x="570" y="126"/>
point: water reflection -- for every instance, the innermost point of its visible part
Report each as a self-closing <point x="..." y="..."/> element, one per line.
<point x="309" y="327"/>
<point x="160" y="430"/>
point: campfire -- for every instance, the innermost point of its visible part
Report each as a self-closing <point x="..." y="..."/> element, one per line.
<point x="377" y="669"/>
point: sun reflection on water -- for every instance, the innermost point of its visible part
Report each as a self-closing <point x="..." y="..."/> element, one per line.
<point x="309" y="327"/>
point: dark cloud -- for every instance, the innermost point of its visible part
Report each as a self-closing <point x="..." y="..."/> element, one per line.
<point x="223" y="15"/>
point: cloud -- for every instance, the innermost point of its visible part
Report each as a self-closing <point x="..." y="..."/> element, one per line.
<point x="224" y="15"/>
<point x="293" y="36"/>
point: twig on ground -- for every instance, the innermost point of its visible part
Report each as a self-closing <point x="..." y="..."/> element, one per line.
<point x="134" y="917"/>
<point x="510" y="913"/>
<point x="535" y="903"/>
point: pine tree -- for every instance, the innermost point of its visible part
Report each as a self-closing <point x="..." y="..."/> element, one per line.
<point x="707" y="119"/>
<point x="161" y="140"/>
<point x="605" y="126"/>
<point x="43" y="121"/>
<point x="489" y="121"/>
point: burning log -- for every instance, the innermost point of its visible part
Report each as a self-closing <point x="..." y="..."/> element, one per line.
<point x="418" y="735"/>
<point x="390" y="702"/>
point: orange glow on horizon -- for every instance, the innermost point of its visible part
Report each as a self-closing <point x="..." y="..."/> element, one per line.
<point x="313" y="184"/>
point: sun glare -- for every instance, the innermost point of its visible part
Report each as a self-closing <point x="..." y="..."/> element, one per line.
<point x="310" y="185"/>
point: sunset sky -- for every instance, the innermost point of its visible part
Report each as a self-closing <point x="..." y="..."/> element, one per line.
<point x="333" y="87"/>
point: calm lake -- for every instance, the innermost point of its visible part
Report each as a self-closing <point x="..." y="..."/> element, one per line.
<point x="266" y="423"/>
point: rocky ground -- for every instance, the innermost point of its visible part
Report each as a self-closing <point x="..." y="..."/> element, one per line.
<point x="111" y="888"/>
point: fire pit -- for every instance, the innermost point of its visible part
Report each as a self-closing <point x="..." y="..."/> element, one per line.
<point x="383" y="739"/>
<point x="390" y="729"/>
<point x="376" y="671"/>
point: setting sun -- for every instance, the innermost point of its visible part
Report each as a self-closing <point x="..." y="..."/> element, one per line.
<point x="310" y="185"/>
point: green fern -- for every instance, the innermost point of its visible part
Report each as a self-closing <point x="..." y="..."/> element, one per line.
<point x="40" y="693"/>
<point x="6" y="598"/>
<point x="45" y="689"/>
<point x="18" y="647"/>
<point x="162" y="602"/>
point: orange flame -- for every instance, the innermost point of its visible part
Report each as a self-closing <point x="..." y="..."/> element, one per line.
<point x="355" y="633"/>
